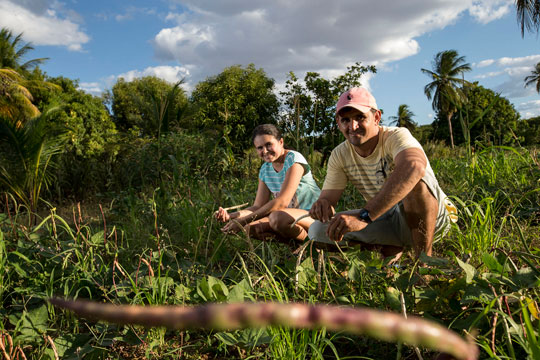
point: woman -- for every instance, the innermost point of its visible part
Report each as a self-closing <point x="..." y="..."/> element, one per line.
<point x="286" y="191"/>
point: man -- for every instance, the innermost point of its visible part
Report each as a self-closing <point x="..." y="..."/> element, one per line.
<point x="405" y="205"/>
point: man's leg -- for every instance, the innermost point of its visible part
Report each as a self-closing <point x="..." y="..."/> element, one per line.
<point x="387" y="235"/>
<point x="421" y="209"/>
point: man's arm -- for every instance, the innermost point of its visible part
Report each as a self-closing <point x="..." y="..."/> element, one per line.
<point x="323" y="208"/>
<point x="410" y="167"/>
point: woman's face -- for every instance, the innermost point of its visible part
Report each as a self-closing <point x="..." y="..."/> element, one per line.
<point x="268" y="147"/>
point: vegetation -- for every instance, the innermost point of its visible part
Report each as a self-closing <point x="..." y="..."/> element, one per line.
<point x="486" y="118"/>
<point x="534" y="78"/>
<point x="163" y="247"/>
<point x="117" y="207"/>
<point x="528" y="15"/>
<point x="309" y="108"/>
<point x="235" y="102"/>
<point x="445" y="91"/>
<point x="136" y="105"/>
<point x="404" y="118"/>
<point x="12" y="52"/>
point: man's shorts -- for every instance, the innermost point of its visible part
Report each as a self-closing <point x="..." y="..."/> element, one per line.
<point x="391" y="228"/>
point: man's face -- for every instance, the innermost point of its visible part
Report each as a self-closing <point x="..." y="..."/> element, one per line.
<point x="358" y="127"/>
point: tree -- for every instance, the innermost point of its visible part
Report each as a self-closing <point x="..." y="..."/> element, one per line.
<point x="309" y="108"/>
<point x="134" y="104"/>
<point x="404" y="118"/>
<point x="529" y="131"/>
<point x="15" y="98"/>
<point x="234" y="103"/>
<point x="528" y="15"/>
<point x="92" y="140"/>
<point x="26" y="153"/>
<point x="534" y="78"/>
<point x="12" y="51"/>
<point x="487" y="118"/>
<point x="444" y="89"/>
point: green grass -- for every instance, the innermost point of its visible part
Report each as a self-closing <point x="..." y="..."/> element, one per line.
<point x="162" y="246"/>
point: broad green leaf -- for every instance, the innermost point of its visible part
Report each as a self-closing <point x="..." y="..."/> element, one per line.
<point x="476" y="292"/>
<point x="97" y="238"/>
<point x="392" y="298"/>
<point x="433" y="261"/>
<point x="219" y="288"/>
<point x="204" y="290"/>
<point x="355" y="271"/>
<point x="33" y="324"/>
<point x="525" y="278"/>
<point x="236" y="294"/>
<point x="470" y="270"/>
<point x="426" y="294"/>
<point x="491" y="262"/>
<point x="182" y="293"/>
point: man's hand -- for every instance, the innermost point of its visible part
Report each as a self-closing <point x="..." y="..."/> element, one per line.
<point x="343" y="223"/>
<point x="322" y="210"/>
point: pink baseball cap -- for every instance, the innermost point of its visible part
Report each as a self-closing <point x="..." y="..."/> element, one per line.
<point x="358" y="98"/>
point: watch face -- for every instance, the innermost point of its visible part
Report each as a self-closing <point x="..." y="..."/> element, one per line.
<point x="364" y="215"/>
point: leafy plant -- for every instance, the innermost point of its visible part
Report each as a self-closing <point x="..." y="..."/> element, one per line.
<point x="26" y="156"/>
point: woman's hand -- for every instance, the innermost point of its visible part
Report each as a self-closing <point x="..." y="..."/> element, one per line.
<point x="232" y="227"/>
<point x="222" y="215"/>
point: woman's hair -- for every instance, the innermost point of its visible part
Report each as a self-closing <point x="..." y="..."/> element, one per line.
<point x="266" y="129"/>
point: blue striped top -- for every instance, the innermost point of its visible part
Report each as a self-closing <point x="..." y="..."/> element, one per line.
<point x="306" y="193"/>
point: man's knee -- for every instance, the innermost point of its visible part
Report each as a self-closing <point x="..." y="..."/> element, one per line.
<point x="420" y="194"/>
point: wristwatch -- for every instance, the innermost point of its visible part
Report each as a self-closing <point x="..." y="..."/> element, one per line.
<point x="364" y="216"/>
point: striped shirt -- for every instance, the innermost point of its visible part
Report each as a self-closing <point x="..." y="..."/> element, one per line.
<point x="306" y="193"/>
<point x="368" y="174"/>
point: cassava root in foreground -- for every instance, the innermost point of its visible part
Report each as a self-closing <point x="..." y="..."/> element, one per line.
<point x="378" y="324"/>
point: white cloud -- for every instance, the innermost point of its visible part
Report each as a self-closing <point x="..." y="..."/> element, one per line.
<point x="484" y="63"/>
<point x="93" y="88"/>
<point x="171" y="74"/>
<point x="529" y="109"/>
<point x="488" y="10"/>
<point x="519" y="61"/>
<point x="305" y="35"/>
<point x="132" y="11"/>
<point x="43" y="23"/>
<point x="508" y="75"/>
<point x="489" y="75"/>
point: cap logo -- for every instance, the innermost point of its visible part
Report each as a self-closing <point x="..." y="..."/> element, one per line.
<point x="349" y="97"/>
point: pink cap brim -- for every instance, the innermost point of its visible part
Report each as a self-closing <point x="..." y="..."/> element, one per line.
<point x="361" y="108"/>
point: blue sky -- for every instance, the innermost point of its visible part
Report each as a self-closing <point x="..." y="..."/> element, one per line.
<point x="99" y="41"/>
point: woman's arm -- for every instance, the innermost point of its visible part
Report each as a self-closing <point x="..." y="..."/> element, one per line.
<point x="262" y="197"/>
<point x="263" y="207"/>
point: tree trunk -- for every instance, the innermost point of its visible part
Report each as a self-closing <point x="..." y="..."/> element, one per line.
<point x="449" y="116"/>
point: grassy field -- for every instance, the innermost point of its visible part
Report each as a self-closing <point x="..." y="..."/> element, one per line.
<point x="159" y="244"/>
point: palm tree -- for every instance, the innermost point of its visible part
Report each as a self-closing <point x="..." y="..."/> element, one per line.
<point x="444" y="89"/>
<point x="404" y="118"/>
<point x="12" y="51"/>
<point x="15" y="98"/>
<point x="16" y="87"/>
<point x="26" y="152"/>
<point x="528" y="14"/>
<point x="534" y="78"/>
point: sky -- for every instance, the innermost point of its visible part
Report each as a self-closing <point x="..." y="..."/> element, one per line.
<point x="99" y="41"/>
